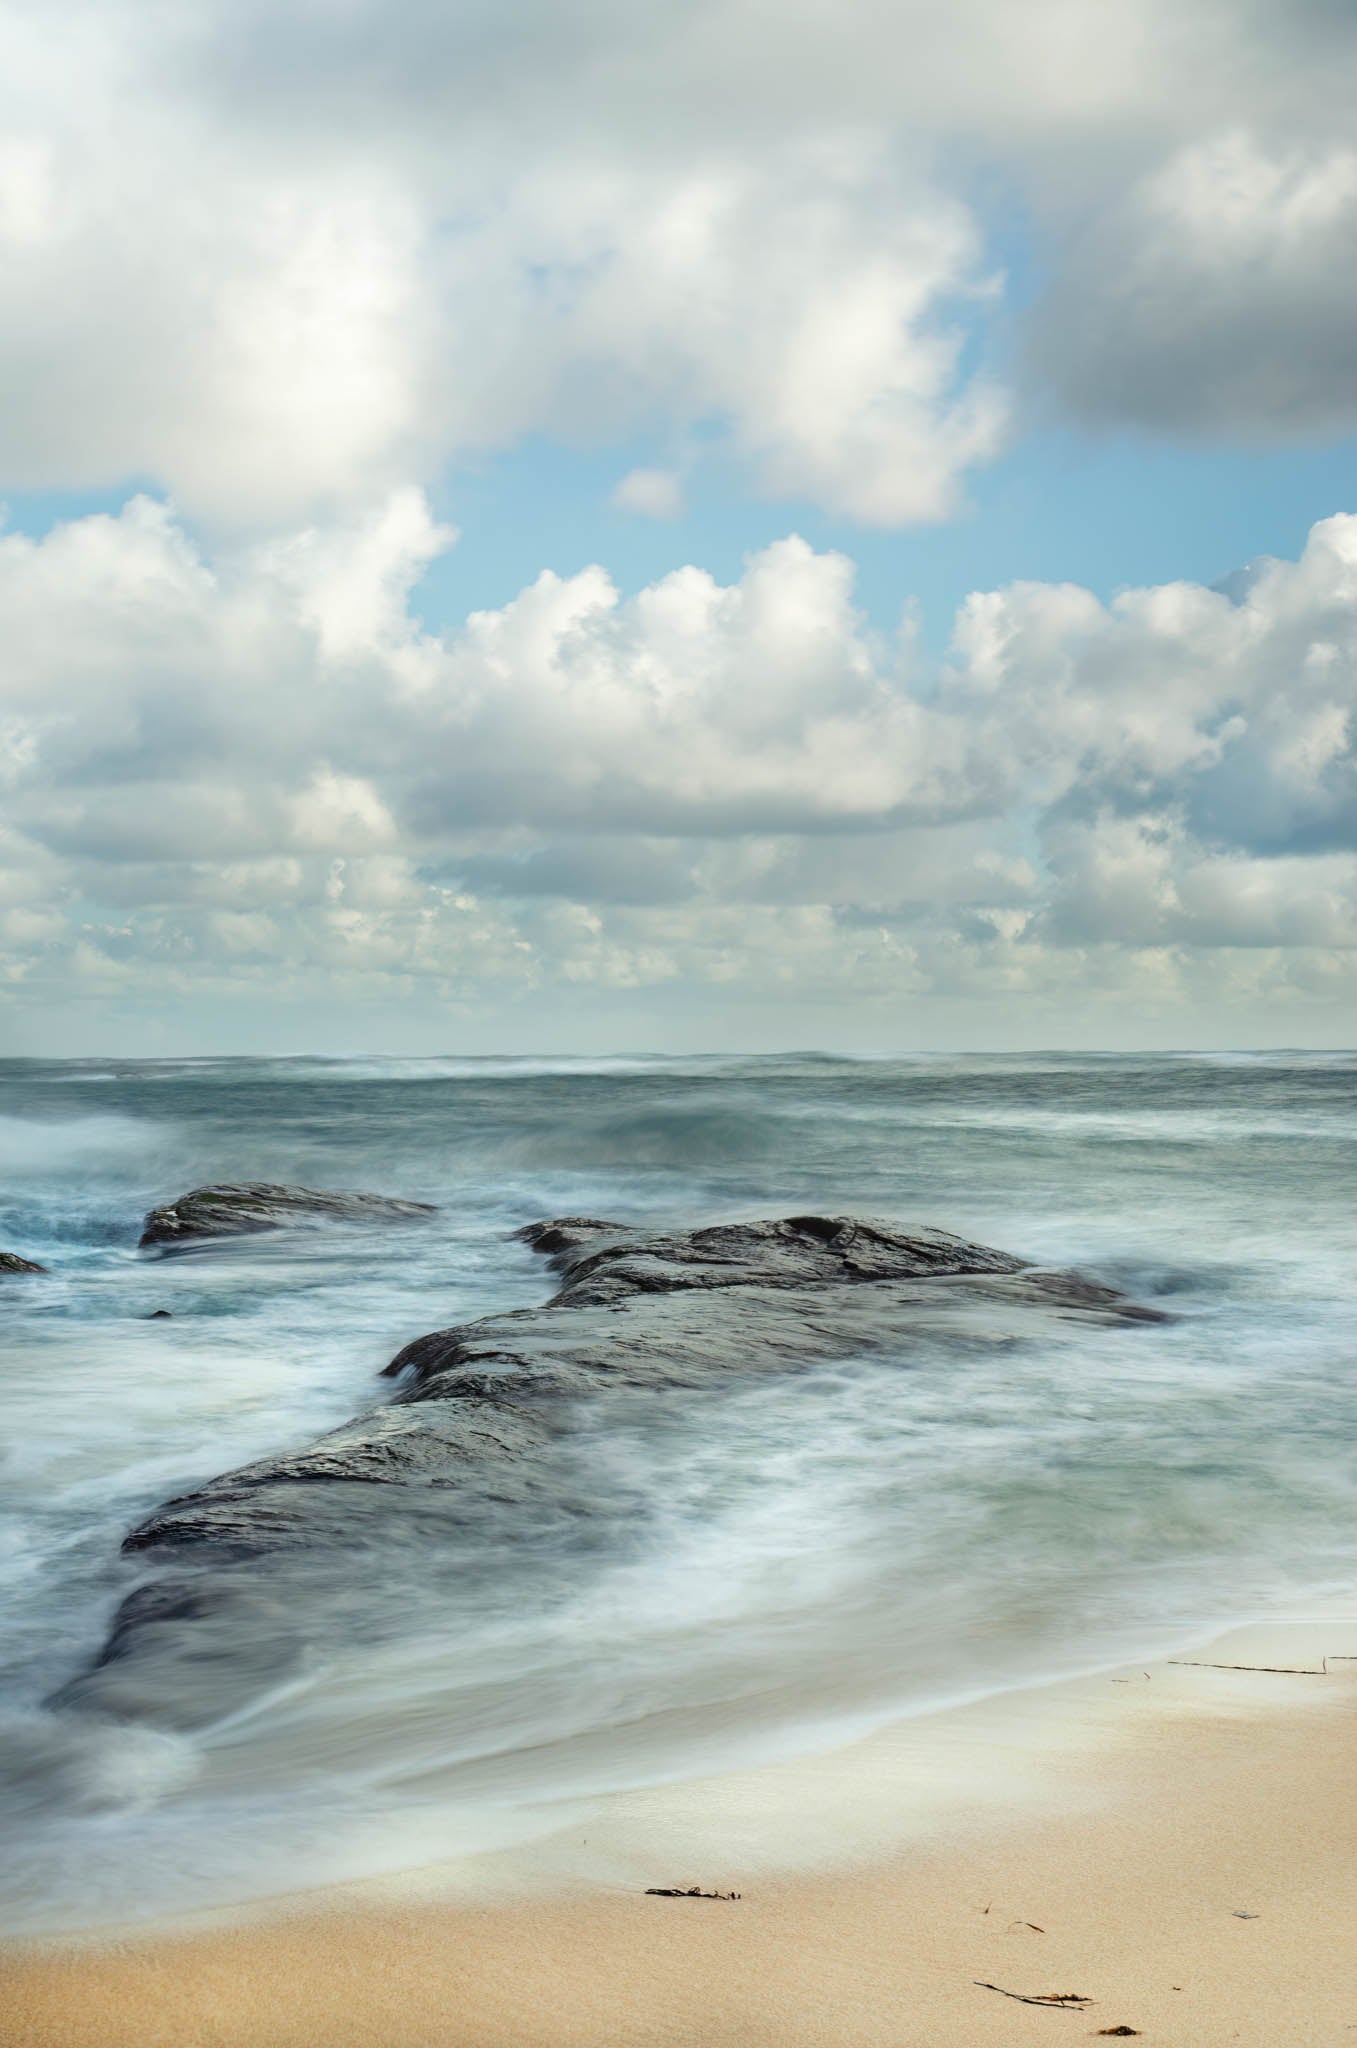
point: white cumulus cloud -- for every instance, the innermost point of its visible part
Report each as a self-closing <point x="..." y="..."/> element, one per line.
<point x="256" y="777"/>
<point x="280" y="261"/>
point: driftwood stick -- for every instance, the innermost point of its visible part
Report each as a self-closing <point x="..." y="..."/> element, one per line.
<point x="1283" y="1670"/>
<point x="675" y="1891"/>
<point x="1070" y="2000"/>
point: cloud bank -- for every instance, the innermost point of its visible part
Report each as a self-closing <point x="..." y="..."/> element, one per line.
<point x="257" y="776"/>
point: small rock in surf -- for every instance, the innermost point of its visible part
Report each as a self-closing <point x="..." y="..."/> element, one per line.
<point x="244" y="1209"/>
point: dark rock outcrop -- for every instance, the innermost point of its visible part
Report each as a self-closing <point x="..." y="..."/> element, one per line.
<point x="478" y="1436"/>
<point x="253" y="1206"/>
<point x="10" y="1262"/>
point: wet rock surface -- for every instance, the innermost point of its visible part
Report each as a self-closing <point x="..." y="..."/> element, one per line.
<point x="10" y="1262"/>
<point x="256" y="1563"/>
<point x="246" y="1208"/>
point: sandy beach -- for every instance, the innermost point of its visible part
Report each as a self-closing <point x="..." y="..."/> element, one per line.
<point x="1173" y="1843"/>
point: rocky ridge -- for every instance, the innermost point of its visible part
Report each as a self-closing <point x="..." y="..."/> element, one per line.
<point x="247" y="1567"/>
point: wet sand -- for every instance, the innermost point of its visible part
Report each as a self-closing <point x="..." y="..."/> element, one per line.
<point x="1177" y="1845"/>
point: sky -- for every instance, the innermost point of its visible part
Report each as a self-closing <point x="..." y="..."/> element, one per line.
<point x="709" y="526"/>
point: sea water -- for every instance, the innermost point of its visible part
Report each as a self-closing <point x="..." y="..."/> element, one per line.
<point x="783" y="1563"/>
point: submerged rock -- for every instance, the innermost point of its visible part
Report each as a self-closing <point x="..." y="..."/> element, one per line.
<point x="10" y="1262"/>
<point x="257" y="1563"/>
<point x="229" y="1210"/>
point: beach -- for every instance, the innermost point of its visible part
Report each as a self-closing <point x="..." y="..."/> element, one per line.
<point x="678" y="960"/>
<point x="863" y="1598"/>
<point x="1173" y="1843"/>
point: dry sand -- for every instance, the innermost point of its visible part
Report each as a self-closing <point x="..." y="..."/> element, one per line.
<point x="1106" y="1837"/>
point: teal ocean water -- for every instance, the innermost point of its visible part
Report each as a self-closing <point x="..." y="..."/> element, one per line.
<point x="793" y="1561"/>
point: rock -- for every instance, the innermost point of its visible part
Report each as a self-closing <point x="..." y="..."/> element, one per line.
<point x="10" y="1262"/>
<point x="254" y="1206"/>
<point x="255" y="1564"/>
<point x="158" y="1315"/>
<point x="602" y="1262"/>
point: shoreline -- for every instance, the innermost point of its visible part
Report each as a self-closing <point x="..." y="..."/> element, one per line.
<point x="1171" y="1825"/>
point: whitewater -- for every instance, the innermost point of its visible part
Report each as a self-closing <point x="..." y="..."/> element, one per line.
<point x="796" y="1560"/>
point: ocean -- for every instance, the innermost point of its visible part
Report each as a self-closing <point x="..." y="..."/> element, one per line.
<point x="783" y="1564"/>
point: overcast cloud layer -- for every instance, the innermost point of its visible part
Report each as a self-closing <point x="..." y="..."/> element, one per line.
<point x="271" y="275"/>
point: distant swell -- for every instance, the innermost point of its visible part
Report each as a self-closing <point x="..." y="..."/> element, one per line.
<point x="669" y="1137"/>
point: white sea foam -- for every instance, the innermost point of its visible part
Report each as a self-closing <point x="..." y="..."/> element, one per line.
<point x="56" y="1148"/>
